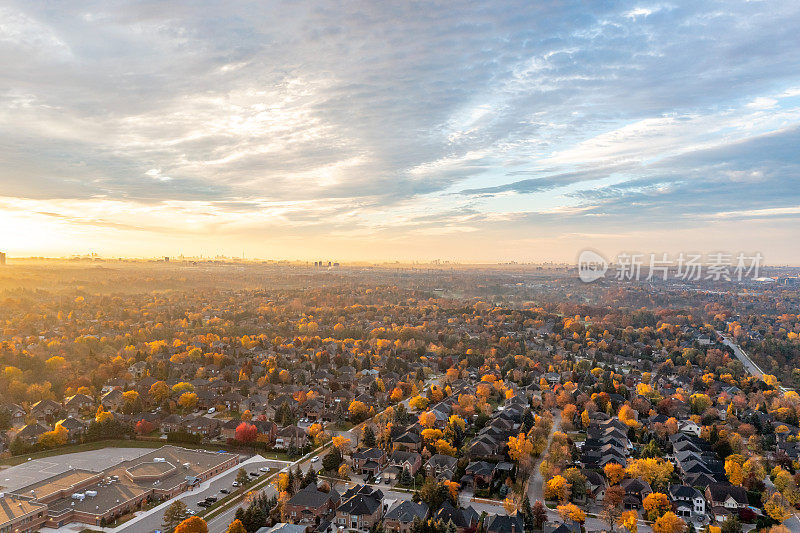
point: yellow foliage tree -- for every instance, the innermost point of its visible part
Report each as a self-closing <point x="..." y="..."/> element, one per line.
<point x="777" y="507"/>
<point x="572" y="512"/>
<point x="669" y="523"/>
<point x="654" y="470"/>
<point x="193" y="524"/>
<point x="102" y="415"/>
<point x="630" y="521"/>
<point x="614" y="473"/>
<point x="427" y="419"/>
<point x="655" y="505"/>
<point x="188" y="400"/>
<point x="557" y="488"/>
<point x="733" y="469"/>
<point x="445" y="448"/>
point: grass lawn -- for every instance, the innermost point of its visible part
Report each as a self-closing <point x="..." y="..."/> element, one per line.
<point x="342" y="426"/>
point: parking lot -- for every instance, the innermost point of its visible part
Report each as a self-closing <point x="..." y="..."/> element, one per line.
<point x="16" y="477"/>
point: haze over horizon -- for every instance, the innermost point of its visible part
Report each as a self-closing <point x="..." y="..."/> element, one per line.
<point x="463" y="132"/>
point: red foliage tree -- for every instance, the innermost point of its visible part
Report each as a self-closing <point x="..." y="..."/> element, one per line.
<point x="143" y="427"/>
<point x="246" y="432"/>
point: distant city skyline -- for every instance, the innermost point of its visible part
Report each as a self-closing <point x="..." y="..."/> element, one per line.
<point x="467" y="132"/>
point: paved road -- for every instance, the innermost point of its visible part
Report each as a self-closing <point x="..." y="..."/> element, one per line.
<point x="535" y="482"/>
<point x="748" y="363"/>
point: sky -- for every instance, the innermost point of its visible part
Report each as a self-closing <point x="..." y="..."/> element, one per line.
<point x="491" y="131"/>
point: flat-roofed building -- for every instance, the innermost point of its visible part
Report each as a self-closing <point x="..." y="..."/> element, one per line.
<point x="21" y="515"/>
<point x="96" y="498"/>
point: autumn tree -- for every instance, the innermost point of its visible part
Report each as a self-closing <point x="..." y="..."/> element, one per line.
<point x="654" y="470"/>
<point x="539" y="513"/>
<point x="520" y="449"/>
<point x="557" y="488"/>
<point x="358" y="411"/>
<point x="159" y="392"/>
<point x="572" y="512"/>
<point x="193" y="524"/>
<point x="777" y="507"/>
<point x="614" y="473"/>
<point x="236" y="527"/>
<point x="188" y="400"/>
<point x="418" y="403"/>
<point x="655" y="505"/>
<point x="612" y="505"/>
<point x="733" y="469"/>
<point x="630" y="521"/>
<point x="669" y="523"/>
<point x="245" y="432"/>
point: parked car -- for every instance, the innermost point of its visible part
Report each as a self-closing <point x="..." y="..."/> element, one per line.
<point x="315" y="459"/>
<point x="203" y="504"/>
<point x="264" y="469"/>
<point x="224" y="491"/>
<point x="211" y="499"/>
<point x="254" y="474"/>
<point x="378" y="480"/>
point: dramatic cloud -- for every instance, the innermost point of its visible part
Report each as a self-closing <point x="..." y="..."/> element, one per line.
<point x="371" y="130"/>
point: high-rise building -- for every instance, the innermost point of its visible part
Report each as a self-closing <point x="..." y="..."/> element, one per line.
<point x="2" y="258"/>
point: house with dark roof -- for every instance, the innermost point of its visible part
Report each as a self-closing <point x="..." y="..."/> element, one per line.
<point x="75" y="428"/>
<point x="463" y="519"/>
<point x="689" y="503"/>
<point x="725" y="499"/>
<point x="310" y="503"/>
<point x="411" y="462"/>
<point x="441" y="467"/>
<point x="112" y="400"/>
<point x="361" y="508"/>
<point x="478" y="474"/>
<point x="44" y="410"/>
<point x="410" y="441"/>
<point x="78" y="403"/>
<point x="291" y="436"/>
<point x="636" y="490"/>
<point x="369" y="461"/>
<point x="499" y="523"/>
<point x="30" y="433"/>
<point x="400" y="517"/>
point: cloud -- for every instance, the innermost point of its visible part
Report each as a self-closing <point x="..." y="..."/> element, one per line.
<point x="374" y="115"/>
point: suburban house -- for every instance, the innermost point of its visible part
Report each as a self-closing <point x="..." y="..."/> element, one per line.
<point x="725" y="499"/>
<point x="77" y="404"/>
<point x="291" y="436"/>
<point x="410" y="462"/>
<point x="441" y="467"/>
<point x="636" y="490"/>
<point x="311" y="503"/>
<point x="369" y="461"/>
<point x="688" y="501"/>
<point x="400" y="517"/>
<point x="361" y="508"/>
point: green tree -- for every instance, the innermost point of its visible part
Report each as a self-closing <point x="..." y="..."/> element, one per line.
<point x="332" y="460"/>
<point x="242" y="478"/>
<point x="174" y="515"/>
